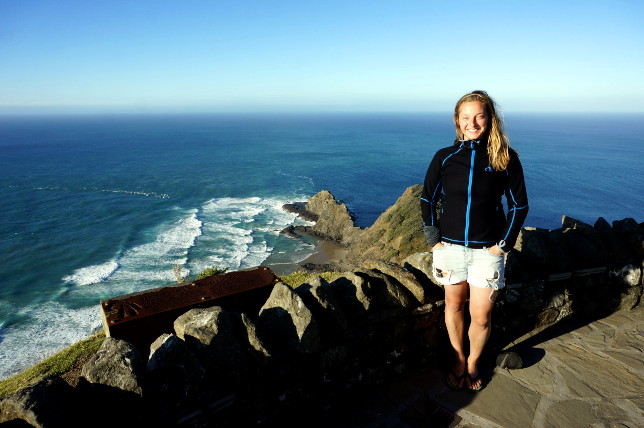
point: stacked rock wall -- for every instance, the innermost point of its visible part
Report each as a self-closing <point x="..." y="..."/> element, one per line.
<point x="315" y="342"/>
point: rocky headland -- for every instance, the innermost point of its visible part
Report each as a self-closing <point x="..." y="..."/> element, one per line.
<point x="310" y="348"/>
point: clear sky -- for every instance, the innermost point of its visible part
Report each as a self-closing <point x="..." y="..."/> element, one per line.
<point x="310" y="55"/>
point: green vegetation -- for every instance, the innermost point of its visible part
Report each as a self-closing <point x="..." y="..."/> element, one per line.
<point x="398" y="233"/>
<point x="54" y="365"/>
<point x="212" y="271"/>
<point x="295" y="279"/>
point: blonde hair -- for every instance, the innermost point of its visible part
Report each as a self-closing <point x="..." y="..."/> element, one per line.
<point x="498" y="146"/>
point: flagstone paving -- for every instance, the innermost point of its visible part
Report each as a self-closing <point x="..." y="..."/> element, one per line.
<point x="575" y="375"/>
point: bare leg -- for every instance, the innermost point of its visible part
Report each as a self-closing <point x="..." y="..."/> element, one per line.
<point x="455" y="296"/>
<point x="481" y="304"/>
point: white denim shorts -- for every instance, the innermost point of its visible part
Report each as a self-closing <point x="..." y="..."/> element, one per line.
<point x="480" y="268"/>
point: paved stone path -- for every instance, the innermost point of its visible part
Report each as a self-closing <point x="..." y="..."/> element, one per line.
<point x="585" y="375"/>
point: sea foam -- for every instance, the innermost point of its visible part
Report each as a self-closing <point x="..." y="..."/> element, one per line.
<point x="92" y="274"/>
<point x="235" y="233"/>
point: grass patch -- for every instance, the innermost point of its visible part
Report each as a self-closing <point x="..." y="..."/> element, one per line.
<point x="53" y="366"/>
<point x="214" y="270"/>
<point x="299" y="277"/>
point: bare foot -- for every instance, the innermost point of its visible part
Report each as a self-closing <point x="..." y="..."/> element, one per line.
<point x="474" y="381"/>
<point x="456" y="376"/>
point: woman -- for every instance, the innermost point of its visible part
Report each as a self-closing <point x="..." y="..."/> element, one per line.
<point x="473" y="233"/>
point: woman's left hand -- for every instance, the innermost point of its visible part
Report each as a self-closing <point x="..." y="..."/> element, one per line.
<point x="495" y="250"/>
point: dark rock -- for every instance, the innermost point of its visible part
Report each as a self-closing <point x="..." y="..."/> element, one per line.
<point x="385" y="292"/>
<point x="632" y="234"/>
<point x="353" y="295"/>
<point x="299" y="208"/>
<point x="420" y="265"/>
<point x="285" y="325"/>
<point x="117" y="364"/>
<point x="401" y="275"/>
<point x="560" y="255"/>
<point x="175" y="374"/>
<point x="615" y="247"/>
<point x="51" y="402"/>
<point x="294" y="231"/>
<point x="319" y="297"/>
<point x="513" y="270"/>
<point x="533" y="249"/>
<point x="584" y="242"/>
<point x="210" y="334"/>
<point x="250" y="343"/>
<point x="532" y="296"/>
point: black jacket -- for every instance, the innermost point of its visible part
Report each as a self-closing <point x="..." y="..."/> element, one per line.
<point x="472" y="211"/>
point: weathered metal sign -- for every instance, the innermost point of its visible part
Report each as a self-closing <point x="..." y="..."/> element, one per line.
<point x="142" y="317"/>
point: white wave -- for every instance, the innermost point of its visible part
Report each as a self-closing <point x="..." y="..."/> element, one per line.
<point x="176" y="240"/>
<point x="142" y="263"/>
<point x="240" y="232"/>
<point x="92" y="274"/>
<point x="233" y="233"/>
<point x="51" y="327"/>
<point x="133" y="192"/>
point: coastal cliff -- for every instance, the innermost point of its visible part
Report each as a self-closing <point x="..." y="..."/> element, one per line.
<point x="314" y="343"/>
<point x="396" y="234"/>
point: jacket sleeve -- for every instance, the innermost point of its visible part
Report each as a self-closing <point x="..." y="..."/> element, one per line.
<point x="431" y="193"/>
<point x="517" y="199"/>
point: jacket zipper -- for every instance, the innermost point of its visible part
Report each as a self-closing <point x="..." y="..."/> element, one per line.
<point x="469" y="198"/>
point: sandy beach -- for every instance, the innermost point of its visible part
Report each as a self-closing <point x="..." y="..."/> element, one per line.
<point x="325" y="253"/>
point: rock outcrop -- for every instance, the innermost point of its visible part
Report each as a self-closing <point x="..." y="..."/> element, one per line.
<point x="395" y="235"/>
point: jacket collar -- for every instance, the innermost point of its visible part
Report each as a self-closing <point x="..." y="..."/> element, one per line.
<point x="471" y="144"/>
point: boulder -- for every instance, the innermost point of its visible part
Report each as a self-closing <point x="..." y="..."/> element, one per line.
<point x="386" y="293"/>
<point x="421" y="266"/>
<point x="560" y="256"/>
<point x="353" y="295"/>
<point x="403" y="276"/>
<point x="286" y="325"/>
<point x="318" y="296"/>
<point x="249" y="341"/>
<point x="615" y="247"/>
<point x="51" y="402"/>
<point x="174" y="372"/>
<point x="514" y="273"/>
<point x="584" y="242"/>
<point x="533" y="249"/>
<point x="117" y="364"/>
<point x="210" y="335"/>
<point x="632" y="234"/>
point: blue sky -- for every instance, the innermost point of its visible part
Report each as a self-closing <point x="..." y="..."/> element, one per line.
<point x="266" y="55"/>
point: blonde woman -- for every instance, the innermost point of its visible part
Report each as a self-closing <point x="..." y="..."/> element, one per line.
<point x="472" y="233"/>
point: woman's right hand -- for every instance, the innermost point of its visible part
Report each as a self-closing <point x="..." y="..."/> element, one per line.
<point x="438" y="246"/>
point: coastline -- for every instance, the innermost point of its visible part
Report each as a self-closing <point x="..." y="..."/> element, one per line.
<point x="326" y="255"/>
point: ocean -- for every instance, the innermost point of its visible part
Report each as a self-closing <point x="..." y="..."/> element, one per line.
<point x="96" y="206"/>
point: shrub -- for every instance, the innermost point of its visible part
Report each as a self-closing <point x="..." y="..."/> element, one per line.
<point x="214" y="270"/>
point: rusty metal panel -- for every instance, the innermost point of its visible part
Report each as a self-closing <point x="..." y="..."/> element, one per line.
<point x="142" y="317"/>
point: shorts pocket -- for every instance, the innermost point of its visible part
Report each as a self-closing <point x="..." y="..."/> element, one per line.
<point x="439" y="265"/>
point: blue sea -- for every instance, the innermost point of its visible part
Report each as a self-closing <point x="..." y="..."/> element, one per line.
<point x="100" y="206"/>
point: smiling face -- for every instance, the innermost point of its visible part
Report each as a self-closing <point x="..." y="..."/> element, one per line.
<point x="472" y="120"/>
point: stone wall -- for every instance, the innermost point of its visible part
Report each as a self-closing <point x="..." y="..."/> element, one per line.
<point x="314" y="343"/>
